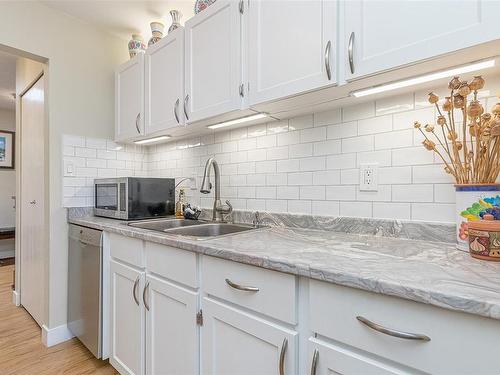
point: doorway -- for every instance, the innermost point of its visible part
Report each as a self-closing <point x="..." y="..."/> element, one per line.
<point x="7" y="159"/>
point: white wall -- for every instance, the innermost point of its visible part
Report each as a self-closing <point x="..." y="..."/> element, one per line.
<point x="81" y="62"/>
<point x="7" y="176"/>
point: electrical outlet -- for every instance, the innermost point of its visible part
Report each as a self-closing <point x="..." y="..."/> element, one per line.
<point x="368" y="177"/>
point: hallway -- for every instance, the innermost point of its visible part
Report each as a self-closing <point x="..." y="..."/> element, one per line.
<point x="21" y="349"/>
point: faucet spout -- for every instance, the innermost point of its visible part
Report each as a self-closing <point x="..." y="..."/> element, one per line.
<point x="206" y="187"/>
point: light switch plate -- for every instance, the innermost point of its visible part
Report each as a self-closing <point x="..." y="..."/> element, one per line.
<point x="69" y="168"/>
<point x="368" y="177"/>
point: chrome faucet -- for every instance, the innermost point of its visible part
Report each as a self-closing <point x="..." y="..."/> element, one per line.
<point x="220" y="212"/>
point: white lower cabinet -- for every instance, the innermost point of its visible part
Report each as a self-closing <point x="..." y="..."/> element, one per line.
<point x="127" y="319"/>
<point x="171" y="331"/>
<point x="237" y="343"/>
<point x="327" y="359"/>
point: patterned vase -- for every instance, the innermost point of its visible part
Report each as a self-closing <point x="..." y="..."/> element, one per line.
<point x="176" y="18"/>
<point x="157" y="32"/>
<point x="472" y="202"/>
<point x="136" y="45"/>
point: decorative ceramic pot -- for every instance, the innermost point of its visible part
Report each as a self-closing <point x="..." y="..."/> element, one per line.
<point x="200" y="5"/>
<point x="157" y="32"/>
<point x="472" y="203"/>
<point x="136" y="45"/>
<point x="484" y="238"/>
<point x="176" y="18"/>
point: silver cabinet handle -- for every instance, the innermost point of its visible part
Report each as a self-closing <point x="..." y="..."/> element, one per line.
<point x="242" y="90"/>
<point x="134" y="292"/>
<point x="185" y="106"/>
<point x="242" y="287"/>
<point x="33" y="202"/>
<point x="314" y="362"/>
<point x="327" y="60"/>
<point x="144" y="296"/>
<point x="176" y="107"/>
<point x="137" y="119"/>
<point x="350" y="51"/>
<point x="393" y="332"/>
<point x="281" y="366"/>
<point x="242" y="8"/>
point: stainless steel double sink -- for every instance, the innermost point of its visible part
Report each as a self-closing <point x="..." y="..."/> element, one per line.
<point x="192" y="228"/>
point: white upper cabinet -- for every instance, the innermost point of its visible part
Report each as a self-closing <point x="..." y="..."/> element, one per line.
<point x="380" y="35"/>
<point x="129" y="99"/>
<point x="213" y="61"/>
<point x="292" y="47"/>
<point x="165" y="83"/>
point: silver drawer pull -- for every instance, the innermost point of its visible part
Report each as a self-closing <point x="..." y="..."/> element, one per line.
<point x="393" y="332"/>
<point x="144" y="296"/>
<point x="282" y="357"/>
<point x="134" y="292"/>
<point x="137" y="119"/>
<point x="176" y="107"/>
<point x="314" y="362"/>
<point x="242" y="287"/>
<point x="186" y="99"/>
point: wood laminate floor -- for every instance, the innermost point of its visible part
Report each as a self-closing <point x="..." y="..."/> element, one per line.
<point x="21" y="348"/>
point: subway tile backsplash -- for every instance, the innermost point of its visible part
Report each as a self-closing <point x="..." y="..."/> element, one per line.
<point x="306" y="165"/>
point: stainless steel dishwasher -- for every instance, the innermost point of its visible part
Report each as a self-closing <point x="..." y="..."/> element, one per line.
<point x="85" y="287"/>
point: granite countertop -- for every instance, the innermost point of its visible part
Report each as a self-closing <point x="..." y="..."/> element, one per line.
<point x="424" y="271"/>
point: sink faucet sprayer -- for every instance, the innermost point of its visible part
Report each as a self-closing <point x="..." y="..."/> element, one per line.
<point x="220" y="211"/>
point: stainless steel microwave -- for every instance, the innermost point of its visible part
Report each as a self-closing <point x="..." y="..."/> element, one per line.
<point x="134" y="198"/>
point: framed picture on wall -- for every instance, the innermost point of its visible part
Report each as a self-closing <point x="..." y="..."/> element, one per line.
<point x="6" y="149"/>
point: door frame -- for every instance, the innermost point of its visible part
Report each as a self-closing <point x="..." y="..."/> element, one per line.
<point x="19" y="155"/>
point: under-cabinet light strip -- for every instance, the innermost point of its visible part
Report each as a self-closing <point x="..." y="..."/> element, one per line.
<point x="425" y="78"/>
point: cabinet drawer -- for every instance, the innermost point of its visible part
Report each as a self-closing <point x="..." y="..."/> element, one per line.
<point x="459" y="343"/>
<point x="174" y="264"/>
<point x="276" y="294"/>
<point x="126" y="249"/>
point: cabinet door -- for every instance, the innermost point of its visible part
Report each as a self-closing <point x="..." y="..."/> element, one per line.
<point x="387" y="34"/>
<point x="236" y="343"/>
<point x="165" y="83"/>
<point x="171" y="329"/>
<point x="292" y="47"/>
<point x="327" y="359"/>
<point x="129" y="99"/>
<point x="127" y="319"/>
<point x="213" y="61"/>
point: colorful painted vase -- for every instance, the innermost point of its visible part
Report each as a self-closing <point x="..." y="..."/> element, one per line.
<point x="176" y="20"/>
<point x="136" y="45"/>
<point x="472" y="203"/>
<point x="484" y="238"/>
<point x="157" y="29"/>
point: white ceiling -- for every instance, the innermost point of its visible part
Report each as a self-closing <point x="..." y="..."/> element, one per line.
<point x="124" y="18"/>
<point x="7" y="81"/>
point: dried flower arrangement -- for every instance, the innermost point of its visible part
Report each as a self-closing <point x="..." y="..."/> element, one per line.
<point x="471" y="150"/>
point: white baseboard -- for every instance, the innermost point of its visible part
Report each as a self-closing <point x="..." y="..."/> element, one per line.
<point x="56" y="335"/>
<point x="16" y="300"/>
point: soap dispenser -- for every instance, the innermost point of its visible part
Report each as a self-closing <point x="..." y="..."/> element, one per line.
<point x="179" y="206"/>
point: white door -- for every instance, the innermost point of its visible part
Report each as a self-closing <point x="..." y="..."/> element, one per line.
<point x="171" y="329"/>
<point x="129" y="99"/>
<point x="165" y="83"/>
<point x="328" y="359"/>
<point x="32" y="208"/>
<point x="237" y="343"/>
<point x="387" y="34"/>
<point x="213" y="61"/>
<point x="292" y="47"/>
<point x="127" y="319"/>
